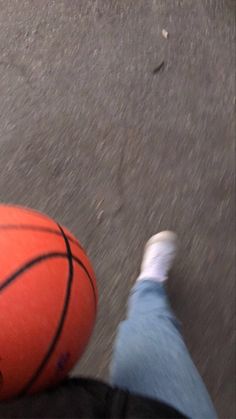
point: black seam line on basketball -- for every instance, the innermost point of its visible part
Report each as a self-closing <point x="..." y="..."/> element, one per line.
<point x="28" y="265"/>
<point x="40" y="258"/>
<point x="61" y="322"/>
<point x="39" y="229"/>
<point x="80" y="263"/>
<point x="77" y="260"/>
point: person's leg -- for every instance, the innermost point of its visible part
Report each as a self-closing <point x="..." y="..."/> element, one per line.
<point x="150" y="357"/>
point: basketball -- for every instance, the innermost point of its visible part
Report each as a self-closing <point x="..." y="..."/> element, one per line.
<point x="48" y="301"/>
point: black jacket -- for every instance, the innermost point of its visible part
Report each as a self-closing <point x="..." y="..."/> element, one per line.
<point x="84" y="398"/>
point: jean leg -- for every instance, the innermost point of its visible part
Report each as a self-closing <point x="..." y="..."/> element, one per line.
<point x="150" y="357"/>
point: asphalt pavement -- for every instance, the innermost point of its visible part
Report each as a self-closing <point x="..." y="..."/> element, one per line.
<point x="119" y="129"/>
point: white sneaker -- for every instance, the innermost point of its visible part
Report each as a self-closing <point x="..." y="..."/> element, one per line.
<point x="158" y="257"/>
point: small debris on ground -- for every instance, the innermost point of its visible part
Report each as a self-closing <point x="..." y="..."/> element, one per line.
<point x="100" y="216"/>
<point x="165" y="34"/>
<point x="99" y="204"/>
<point x="158" y="68"/>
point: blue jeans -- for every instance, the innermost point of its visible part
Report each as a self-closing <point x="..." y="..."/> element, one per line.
<point x="151" y="359"/>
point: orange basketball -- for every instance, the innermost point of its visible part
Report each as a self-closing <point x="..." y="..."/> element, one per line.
<point x="48" y="300"/>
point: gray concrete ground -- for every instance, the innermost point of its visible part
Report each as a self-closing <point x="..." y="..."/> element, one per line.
<point x="90" y="135"/>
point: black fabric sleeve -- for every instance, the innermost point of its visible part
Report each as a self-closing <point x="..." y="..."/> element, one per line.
<point x="85" y="398"/>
